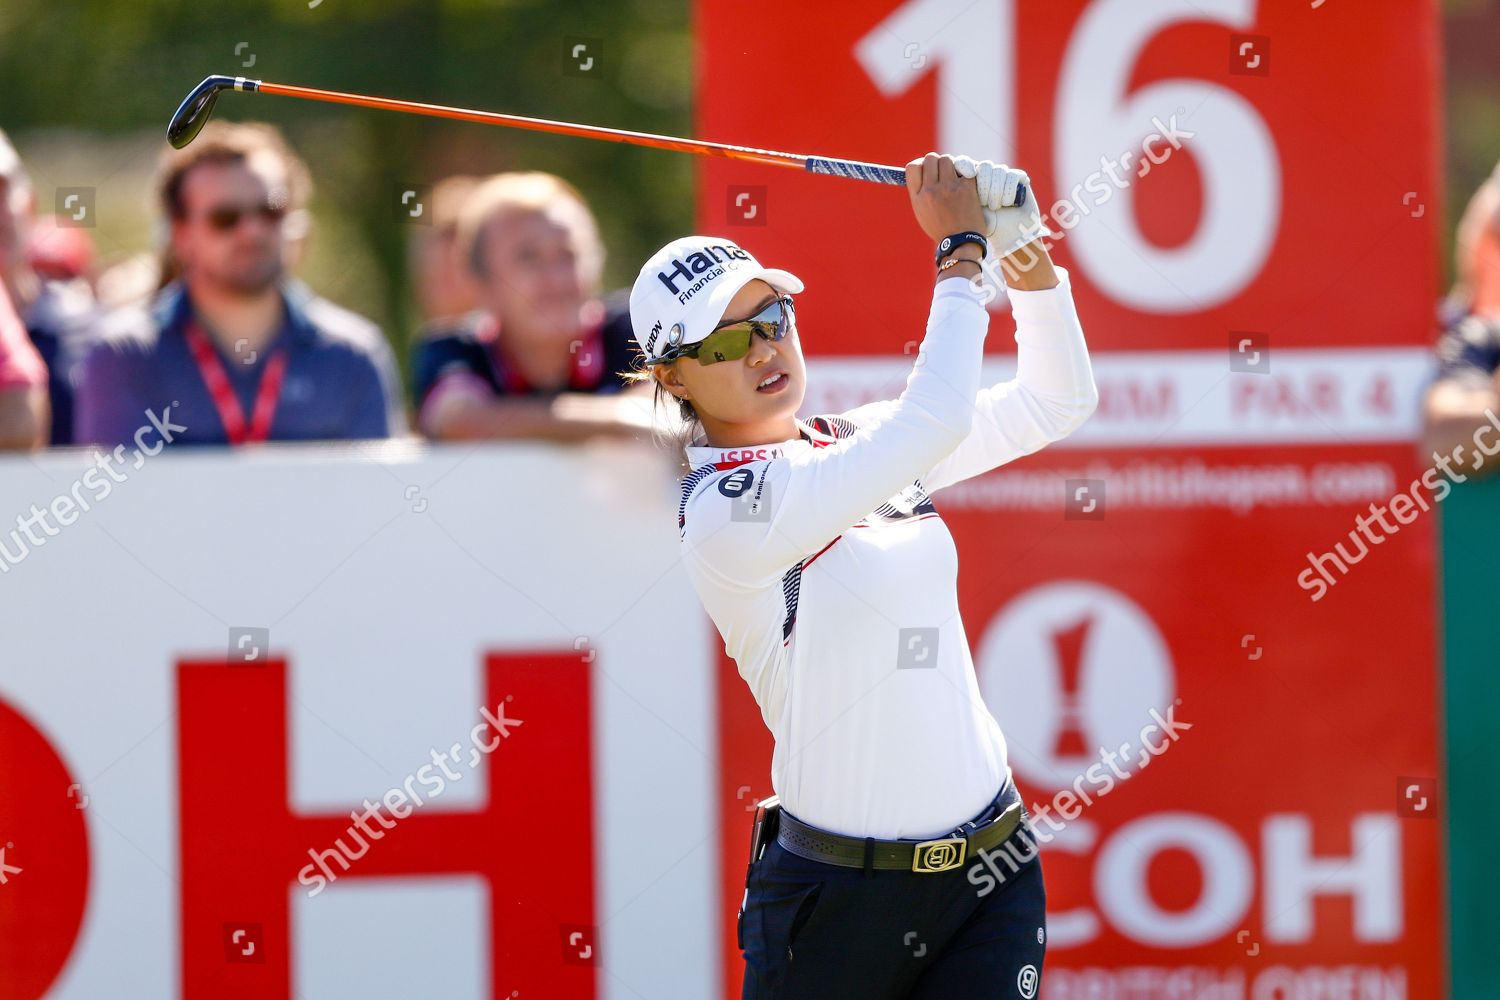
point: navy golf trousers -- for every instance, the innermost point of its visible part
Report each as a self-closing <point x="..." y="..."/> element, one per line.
<point x="816" y="931"/>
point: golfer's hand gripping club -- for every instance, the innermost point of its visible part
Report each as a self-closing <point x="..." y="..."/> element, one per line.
<point x="1011" y="220"/>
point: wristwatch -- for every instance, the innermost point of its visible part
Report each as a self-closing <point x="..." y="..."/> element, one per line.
<point x="950" y="243"/>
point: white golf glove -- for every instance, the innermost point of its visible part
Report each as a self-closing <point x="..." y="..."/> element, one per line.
<point x="1008" y="227"/>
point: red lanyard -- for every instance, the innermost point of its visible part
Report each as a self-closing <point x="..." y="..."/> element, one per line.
<point x="583" y="375"/>
<point x="231" y="414"/>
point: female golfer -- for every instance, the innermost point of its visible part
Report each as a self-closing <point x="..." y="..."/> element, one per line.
<point x="818" y="553"/>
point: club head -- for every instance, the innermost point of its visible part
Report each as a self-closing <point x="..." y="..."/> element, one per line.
<point x="194" y="111"/>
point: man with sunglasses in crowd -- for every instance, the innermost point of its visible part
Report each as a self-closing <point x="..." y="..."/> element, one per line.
<point x="237" y="351"/>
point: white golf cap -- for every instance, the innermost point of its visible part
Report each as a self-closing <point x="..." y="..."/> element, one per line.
<point x="683" y="290"/>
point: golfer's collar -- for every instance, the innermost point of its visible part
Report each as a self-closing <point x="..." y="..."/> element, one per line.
<point x="700" y="453"/>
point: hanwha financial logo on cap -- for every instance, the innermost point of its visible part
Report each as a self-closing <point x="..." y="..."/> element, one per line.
<point x="686" y="286"/>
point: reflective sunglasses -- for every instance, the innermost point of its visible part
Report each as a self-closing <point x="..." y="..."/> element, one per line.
<point x="225" y="217"/>
<point x="731" y="341"/>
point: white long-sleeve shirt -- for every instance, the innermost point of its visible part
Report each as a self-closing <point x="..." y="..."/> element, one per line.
<point x="833" y="579"/>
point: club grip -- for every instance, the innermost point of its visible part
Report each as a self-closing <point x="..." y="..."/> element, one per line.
<point x="859" y="171"/>
<point x="878" y="173"/>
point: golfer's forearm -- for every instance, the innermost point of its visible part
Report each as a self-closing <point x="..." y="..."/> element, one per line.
<point x="966" y="255"/>
<point x="1029" y="269"/>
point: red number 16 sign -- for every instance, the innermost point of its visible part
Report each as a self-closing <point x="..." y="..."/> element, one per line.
<point x="1208" y="167"/>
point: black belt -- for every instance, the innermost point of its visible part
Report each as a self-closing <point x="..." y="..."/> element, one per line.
<point x="940" y="855"/>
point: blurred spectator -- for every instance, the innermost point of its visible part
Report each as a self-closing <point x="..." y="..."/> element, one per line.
<point x="1466" y="394"/>
<point x="238" y="352"/>
<point x="58" y="312"/>
<point x="60" y="253"/>
<point x="132" y="281"/>
<point x="1477" y="256"/>
<point x="535" y="361"/>
<point x="446" y="290"/>
<point x="23" y="383"/>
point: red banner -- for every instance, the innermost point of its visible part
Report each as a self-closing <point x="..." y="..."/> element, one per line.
<point x="1300" y="206"/>
<point x="1269" y="253"/>
<point x="1267" y="846"/>
<point x="234" y="752"/>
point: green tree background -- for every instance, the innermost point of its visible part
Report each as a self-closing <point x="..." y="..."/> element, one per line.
<point x="86" y="87"/>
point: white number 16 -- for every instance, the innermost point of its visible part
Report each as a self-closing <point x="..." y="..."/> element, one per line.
<point x="973" y="51"/>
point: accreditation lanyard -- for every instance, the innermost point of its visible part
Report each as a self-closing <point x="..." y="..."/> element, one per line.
<point x="231" y="414"/>
<point x="583" y="375"/>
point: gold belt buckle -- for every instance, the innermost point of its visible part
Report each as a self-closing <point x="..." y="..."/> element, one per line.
<point x="939" y="855"/>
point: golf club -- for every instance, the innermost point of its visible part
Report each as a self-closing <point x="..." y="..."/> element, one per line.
<point x="196" y="108"/>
